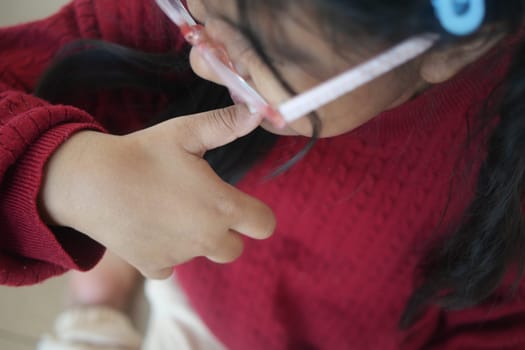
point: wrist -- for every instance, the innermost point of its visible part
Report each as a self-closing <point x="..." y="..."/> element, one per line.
<point x="57" y="198"/>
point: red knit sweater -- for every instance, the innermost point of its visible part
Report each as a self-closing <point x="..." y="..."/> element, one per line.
<point x="354" y="217"/>
<point x="30" y="129"/>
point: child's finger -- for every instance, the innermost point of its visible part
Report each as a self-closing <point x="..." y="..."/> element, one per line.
<point x="216" y="128"/>
<point x="252" y="218"/>
<point x="230" y="248"/>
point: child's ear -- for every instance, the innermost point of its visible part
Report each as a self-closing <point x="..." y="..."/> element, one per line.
<point x="441" y="64"/>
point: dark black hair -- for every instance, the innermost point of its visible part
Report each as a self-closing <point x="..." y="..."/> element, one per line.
<point x="463" y="269"/>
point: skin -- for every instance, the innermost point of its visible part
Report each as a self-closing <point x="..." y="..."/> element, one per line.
<point x="322" y="61"/>
<point x="151" y="199"/>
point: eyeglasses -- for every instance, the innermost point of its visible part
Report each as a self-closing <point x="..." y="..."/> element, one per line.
<point x="307" y="102"/>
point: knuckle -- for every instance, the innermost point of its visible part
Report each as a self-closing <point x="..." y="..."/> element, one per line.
<point x="227" y="208"/>
<point x="188" y="132"/>
<point x="224" y="118"/>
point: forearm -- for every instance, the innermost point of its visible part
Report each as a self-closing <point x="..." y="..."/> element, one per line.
<point x="30" y="132"/>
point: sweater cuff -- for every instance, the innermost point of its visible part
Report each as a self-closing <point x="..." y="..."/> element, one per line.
<point x="62" y="247"/>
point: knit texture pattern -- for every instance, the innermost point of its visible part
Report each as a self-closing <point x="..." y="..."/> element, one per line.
<point x="354" y="217"/>
<point x="31" y="129"/>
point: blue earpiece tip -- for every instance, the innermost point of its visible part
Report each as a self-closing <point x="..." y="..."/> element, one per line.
<point x="460" y="17"/>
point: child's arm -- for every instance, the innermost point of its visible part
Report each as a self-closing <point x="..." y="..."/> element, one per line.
<point x="30" y="131"/>
<point x="148" y="196"/>
<point x="151" y="198"/>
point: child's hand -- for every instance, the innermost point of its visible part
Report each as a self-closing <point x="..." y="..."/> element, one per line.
<point x="151" y="198"/>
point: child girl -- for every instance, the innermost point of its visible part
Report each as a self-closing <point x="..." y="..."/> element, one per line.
<point x="401" y="228"/>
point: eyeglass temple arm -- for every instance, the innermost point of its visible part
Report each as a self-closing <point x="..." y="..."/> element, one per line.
<point x="176" y="11"/>
<point x="334" y="88"/>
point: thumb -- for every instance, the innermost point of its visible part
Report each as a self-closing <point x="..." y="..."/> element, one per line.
<point x="219" y="127"/>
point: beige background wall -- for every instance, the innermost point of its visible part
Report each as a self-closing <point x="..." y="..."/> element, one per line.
<point x="17" y="11"/>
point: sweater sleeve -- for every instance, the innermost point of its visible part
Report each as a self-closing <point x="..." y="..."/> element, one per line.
<point x="31" y="129"/>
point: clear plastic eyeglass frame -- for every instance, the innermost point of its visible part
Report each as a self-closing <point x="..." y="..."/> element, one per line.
<point x="307" y="102"/>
